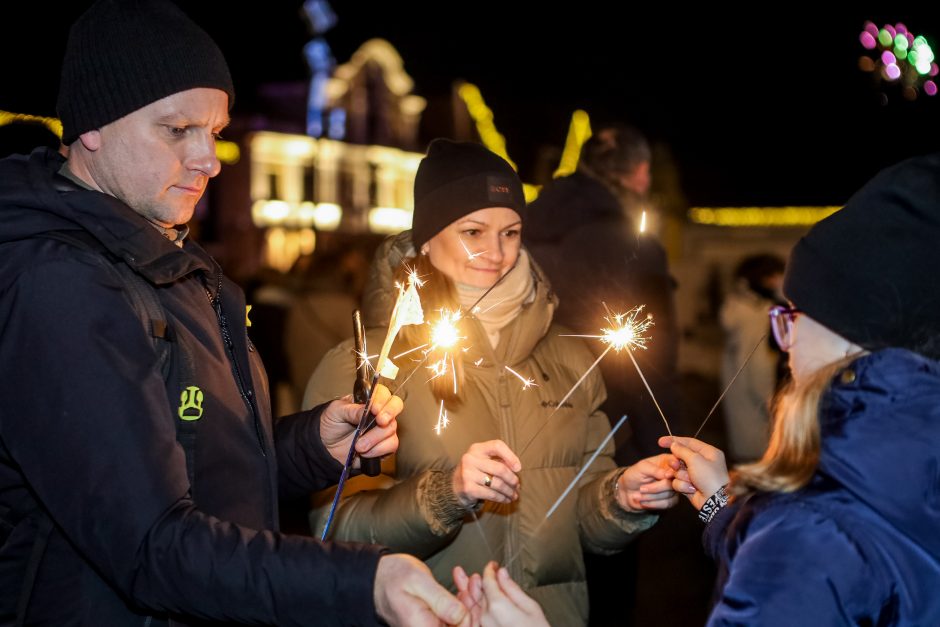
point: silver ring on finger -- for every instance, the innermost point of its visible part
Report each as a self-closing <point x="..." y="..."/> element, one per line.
<point x="487" y="480"/>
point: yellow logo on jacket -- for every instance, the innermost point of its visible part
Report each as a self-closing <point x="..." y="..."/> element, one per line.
<point x="191" y="404"/>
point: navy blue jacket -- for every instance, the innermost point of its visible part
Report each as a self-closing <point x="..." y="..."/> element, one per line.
<point x="88" y="434"/>
<point x="860" y="545"/>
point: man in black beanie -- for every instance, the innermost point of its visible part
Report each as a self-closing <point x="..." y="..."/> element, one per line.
<point x="140" y="465"/>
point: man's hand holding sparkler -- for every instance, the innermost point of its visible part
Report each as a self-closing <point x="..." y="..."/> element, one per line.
<point x="648" y="484"/>
<point x="338" y="422"/>
<point x="487" y="472"/>
<point x="703" y="471"/>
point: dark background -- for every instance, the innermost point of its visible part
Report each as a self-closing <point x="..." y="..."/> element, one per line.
<point x="759" y="106"/>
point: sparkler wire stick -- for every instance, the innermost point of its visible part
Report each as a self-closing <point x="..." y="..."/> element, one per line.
<point x="486" y="542"/>
<point x="349" y="456"/>
<point x="730" y="383"/>
<point x="407" y="310"/>
<point x="408" y="378"/>
<point x="491" y="288"/>
<point x="371" y="466"/>
<point x="571" y="485"/>
<point x="652" y="396"/>
<point x="565" y="398"/>
<point x="410" y="350"/>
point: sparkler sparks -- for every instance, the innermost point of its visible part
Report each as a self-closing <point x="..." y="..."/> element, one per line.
<point x="444" y="336"/>
<point x="438" y="369"/>
<point x="526" y="383"/>
<point x="444" y="332"/>
<point x="414" y="278"/>
<point x="366" y="359"/>
<point x="627" y="331"/>
<point x="442" y="420"/>
<point x="470" y="256"/>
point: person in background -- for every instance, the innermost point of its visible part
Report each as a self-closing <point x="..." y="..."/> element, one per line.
<point x="758" y="280"/>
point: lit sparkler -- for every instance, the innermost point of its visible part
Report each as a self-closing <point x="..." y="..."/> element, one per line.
<point x="407" y="310"/>
<point x="445" y="336"/>
<point x="626" y="332"/>
<point x="444" y="332"/>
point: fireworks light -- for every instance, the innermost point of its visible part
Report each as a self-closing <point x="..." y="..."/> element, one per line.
<point x="895" y="55"/>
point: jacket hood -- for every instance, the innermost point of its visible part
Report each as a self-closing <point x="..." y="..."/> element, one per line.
<point x="880" y="425"/>
<point x="35" y="199"/>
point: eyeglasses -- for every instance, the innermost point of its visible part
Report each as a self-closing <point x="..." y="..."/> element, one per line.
<point x="781" y="323"/>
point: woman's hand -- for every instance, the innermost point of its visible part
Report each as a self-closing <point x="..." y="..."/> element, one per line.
<point x="495" y="600"/>
<point x="487" y="472"/>
<point x="704" y="471"/>
<point x="647" y="484"/>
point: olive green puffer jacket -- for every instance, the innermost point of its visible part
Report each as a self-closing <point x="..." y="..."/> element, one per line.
<point x="417" y="511"/>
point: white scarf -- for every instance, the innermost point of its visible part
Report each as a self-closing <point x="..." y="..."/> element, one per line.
<point x="504" y="302"/>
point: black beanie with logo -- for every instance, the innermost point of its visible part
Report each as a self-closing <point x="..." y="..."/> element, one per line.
<point x="457" y="178"/>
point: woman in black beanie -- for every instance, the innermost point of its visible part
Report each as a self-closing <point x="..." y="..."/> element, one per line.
<point x="475" y="491"/>
<point x="837" y="523"/>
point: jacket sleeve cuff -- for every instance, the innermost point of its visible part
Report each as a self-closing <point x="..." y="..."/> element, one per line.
<point x="632" y="522"/>
<point x="304" y="463"/>
<point x="439" y="503"/>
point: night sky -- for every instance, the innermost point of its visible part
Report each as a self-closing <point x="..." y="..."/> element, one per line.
<point x="765" y="107"/>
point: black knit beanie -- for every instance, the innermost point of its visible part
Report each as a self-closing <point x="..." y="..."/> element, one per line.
<point x="871" y="271"/>
<point x="457" y="178"/>
<point x="125" y="54"/>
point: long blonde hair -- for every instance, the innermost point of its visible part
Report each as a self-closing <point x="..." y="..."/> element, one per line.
<point x="793" y="453"/>
<point x="438" y="292"/>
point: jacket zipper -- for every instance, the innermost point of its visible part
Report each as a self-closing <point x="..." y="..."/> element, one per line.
<point x="508" y="437"/>
<point x="243" y="389"/>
